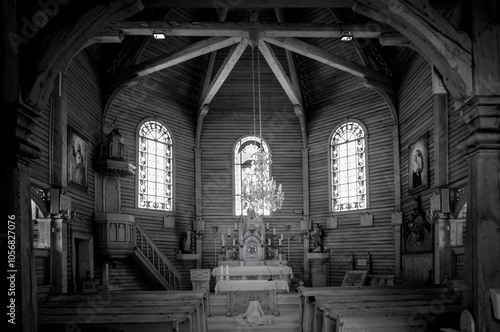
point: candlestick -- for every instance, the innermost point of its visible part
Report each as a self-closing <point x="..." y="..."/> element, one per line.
<point x="235" y="227"/>
<point x="223" y="242"/>
<point x="280" y="256"/>
<point x="228" y="232"/>
<point x="269" y="242"/>
<point x="267" y="226"/>
<point x="274" y="231"/>
<point x="227" y="271"/>
<point x="221" y="270"/>
<point x="279" y="243"/>
<point x="234" y="242"/>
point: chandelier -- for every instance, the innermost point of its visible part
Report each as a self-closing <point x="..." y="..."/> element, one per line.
<point x="260" y="194"/>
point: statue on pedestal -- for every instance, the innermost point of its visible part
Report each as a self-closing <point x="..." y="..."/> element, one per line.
<point x="317" y="234"/>
<point x="187" y="243"/>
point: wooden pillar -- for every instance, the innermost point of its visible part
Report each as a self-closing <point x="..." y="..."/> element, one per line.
<point x="305" y="223"/>
<point x="481" y="113"/>
<point x="397" y="200"/>
<point x="15" y="203"/>
<point x="482" y="252"/>
<point x="442" y="253"/>
<point x="60" y="133"/>
<point x="199" y="215"/>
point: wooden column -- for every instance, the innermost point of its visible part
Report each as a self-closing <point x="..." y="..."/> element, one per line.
<point x="15" y="203"/>
<point x="442" y="253"/>
<point x="482" y="252"/>
<point x="482" y="115"/>
<point x="59" y="250"/>
<point x="198" y="202"/>
<point x="60" y="132"/>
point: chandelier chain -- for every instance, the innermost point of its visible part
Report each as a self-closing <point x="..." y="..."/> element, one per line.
<point x="253" y="90"/>
<point x="260" y="104"/>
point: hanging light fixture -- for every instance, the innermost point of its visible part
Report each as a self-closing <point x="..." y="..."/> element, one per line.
<point x="260" y="194"/>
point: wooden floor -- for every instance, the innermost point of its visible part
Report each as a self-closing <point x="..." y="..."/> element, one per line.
<point x="287" y="321"/>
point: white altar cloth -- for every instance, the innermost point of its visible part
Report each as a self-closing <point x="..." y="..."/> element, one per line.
<point x="260" y="270"/>
<point x="251" y="285"/>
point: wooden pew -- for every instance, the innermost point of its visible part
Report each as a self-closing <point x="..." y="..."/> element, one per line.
<point x="179" y="311"/>
<point x="322" y="306"/>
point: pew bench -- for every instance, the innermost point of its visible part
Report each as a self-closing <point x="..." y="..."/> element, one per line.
<point x="326" y="308"/>
<point x="176" y="311"/>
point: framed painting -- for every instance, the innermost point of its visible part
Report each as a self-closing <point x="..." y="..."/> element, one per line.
<point x="78" y="147"/>
<point x="418" y="164"/>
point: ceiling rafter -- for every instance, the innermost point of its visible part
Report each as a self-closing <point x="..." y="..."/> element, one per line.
<point x="332" y="60"/>
<point x="279" y="72"/>
<point x="212" y="29"/>
<point x="224" y="71"/>
<point x="194" y="50"/>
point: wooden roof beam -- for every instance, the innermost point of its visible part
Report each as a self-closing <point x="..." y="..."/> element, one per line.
<point x="272" y="3"/>
<point x="192" y="51"/>
<point x="332" y="60"/>
<point x="231" y="29"/>
<point x="449" y="50"/>
<point x="279" y="72"/>
<point x="224" y="71"/>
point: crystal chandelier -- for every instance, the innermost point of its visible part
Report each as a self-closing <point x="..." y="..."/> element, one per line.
<point x="260" y="193"/>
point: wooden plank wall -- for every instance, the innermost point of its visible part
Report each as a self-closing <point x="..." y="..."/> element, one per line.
<point x="458" y="132"/>
<point x="84" y="115"/>
<point x="347" y="99"/>
<point x="231" y="117"/>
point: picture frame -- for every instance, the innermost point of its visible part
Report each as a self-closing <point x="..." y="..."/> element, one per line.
<point x="78" y="146"/>
<point x="418" y="164"/>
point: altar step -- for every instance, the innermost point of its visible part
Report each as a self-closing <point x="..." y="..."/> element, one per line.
<point x="287" y="321"/>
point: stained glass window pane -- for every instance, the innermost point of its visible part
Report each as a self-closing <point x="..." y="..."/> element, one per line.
<point x="155" y="167"/>
<point x="243" y="152"/>
<point x="347" y="170"/>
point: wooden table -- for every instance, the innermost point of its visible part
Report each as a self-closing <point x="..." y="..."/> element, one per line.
<point x="241" y="292"/>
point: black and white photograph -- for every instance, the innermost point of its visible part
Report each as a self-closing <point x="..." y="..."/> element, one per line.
<point x="250" y="165"/>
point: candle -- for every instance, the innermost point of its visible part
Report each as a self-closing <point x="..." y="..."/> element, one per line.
<point x="227" y="270"/>
<point x="107" y="276"/>
<point x="267" y="226"/>
<point x="235" y="227"/>
<point x="223" y="242"/>
<point x="282" y="236"/>
<point x="221" y="270"/>
<point x="280" y="256"/>
<point x="234" y="242"/>
<point x="228" y="232"/>
<point x="269" y="242"/>
<point x="280" y="243"/>
<point x="274" y="231"/>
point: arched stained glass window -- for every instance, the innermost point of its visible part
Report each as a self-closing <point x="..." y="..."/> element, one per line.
<point x="348" y="167"/>
<point x="242" y="153"/>
<point x="155" y="169"/>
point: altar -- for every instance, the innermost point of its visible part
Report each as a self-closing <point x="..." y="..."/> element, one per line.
<point x="260" y="272"/>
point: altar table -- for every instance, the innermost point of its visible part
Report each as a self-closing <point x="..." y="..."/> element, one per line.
<point x="259" y="272"/>
<point x="241" y="292"/>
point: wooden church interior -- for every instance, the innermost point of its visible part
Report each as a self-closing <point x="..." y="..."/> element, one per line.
<point x="131" y="126"/>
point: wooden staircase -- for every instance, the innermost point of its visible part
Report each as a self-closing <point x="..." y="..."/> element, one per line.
<point x="287" y="321"/>
<point x="156" y="264"/>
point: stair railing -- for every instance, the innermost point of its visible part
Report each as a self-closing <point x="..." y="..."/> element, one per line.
<point x="157" y="259"/>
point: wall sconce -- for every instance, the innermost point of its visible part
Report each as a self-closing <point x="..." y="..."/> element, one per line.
<point x="305" y="233"/>
<point x="199" y="234"/>
<point x="215" y="229"/>
<point x="346" y="36"/>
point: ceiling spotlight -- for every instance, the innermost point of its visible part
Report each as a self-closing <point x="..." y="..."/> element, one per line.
<point x="346" y="36"/>
<point x="158" y="35"/>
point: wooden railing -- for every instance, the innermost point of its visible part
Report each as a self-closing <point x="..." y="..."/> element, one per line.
<point x="147" y="251"/>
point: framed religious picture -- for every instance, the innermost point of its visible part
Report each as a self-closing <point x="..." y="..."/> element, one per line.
<point x="418" y="164"/>
<point x="78" y="147"/>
